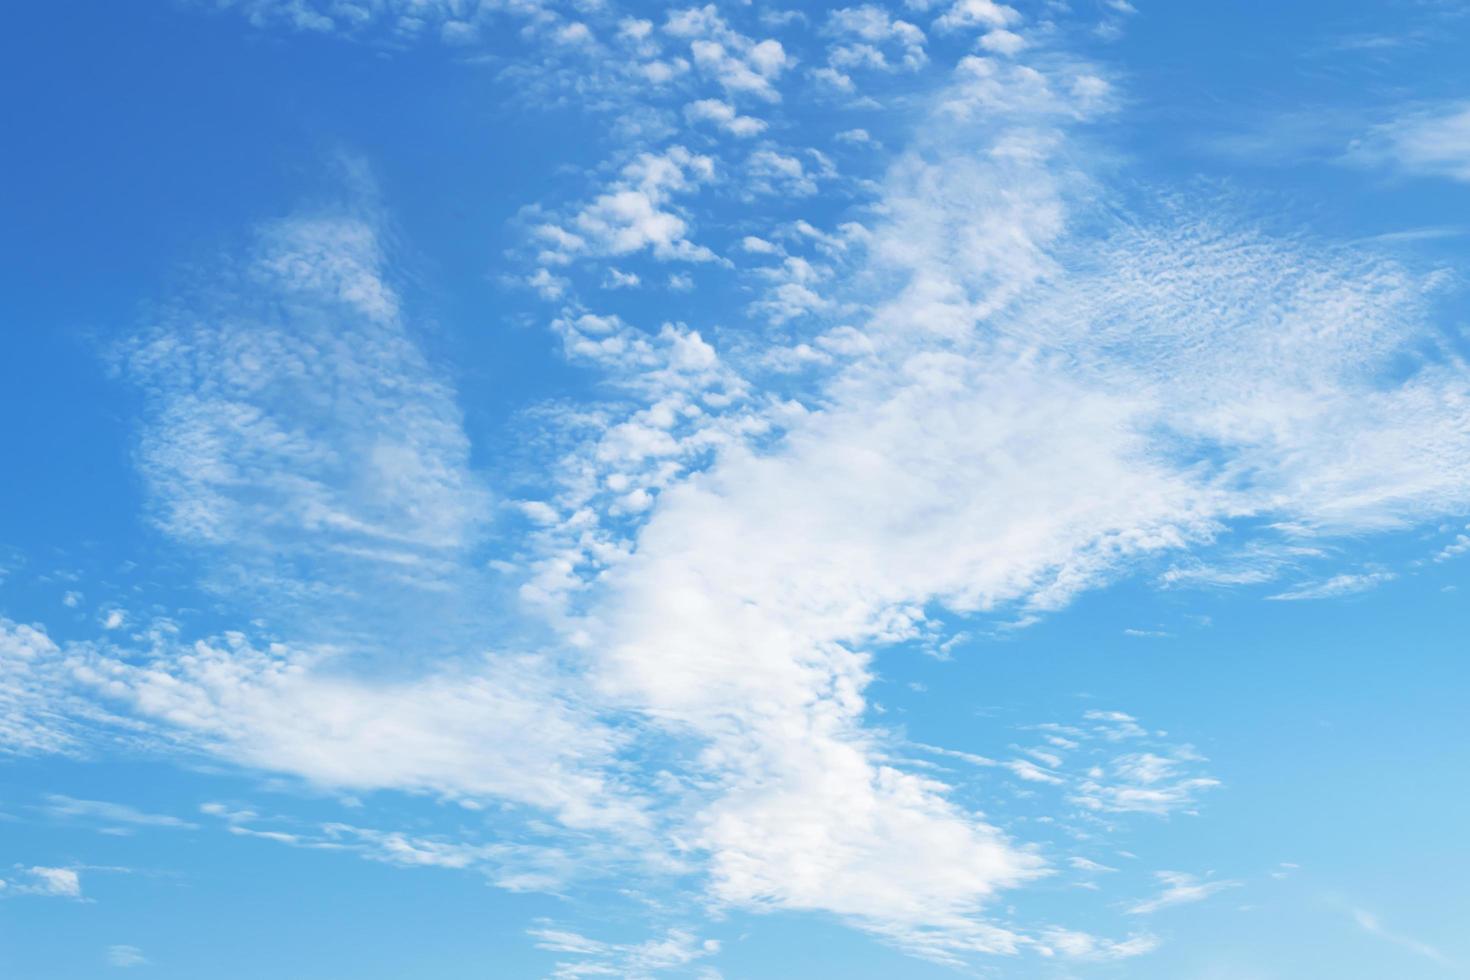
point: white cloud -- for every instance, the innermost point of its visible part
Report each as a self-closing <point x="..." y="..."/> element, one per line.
<point x="1454" y="549"/>
<point x="1085" y="864"/>
<point x="1031" y="772"/>
<point x="264" y="440"/>
<point x="617" y="279"/>
<point x="1179" y="889"/>
<point x="1432" y="142"/>
<point x="124" y="957"/>
<point x="1082" y="946"/>
<point x="759" y="246"/>
<point x="1370" y="924"/>
<point x="509" y="865"/>
<point x="1144" y="782"/>
<point x="636" y="213"/>
<point x="675" y="950"/>
<point x="772" y="172"/>
<point x="500" y="728"/>
<point x="976" y="13"/>
<point x="1013" y="358"/>
<point x="1347" y="583"/>
<point x="101" y="811"/>
<point x="1114" y="726"/>
<point x="548" y="283"/>
<point x="575" y="33"/>
<point x="53" y="882"/>
<point x="456" y="23"/>
<point x="834" y="79"/>
<point x="1024" y="400"/>
<point x="742" y="66"/>
<point x="1001" y="41"/>
<point x="912" y="865"/>
<point x="723" y="115"/>
<point x="867" y="37"/>
<point x="35" y="714"/>
<point x="795" y="290"/>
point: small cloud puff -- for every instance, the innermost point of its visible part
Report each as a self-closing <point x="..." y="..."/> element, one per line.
<point x="124" y="957"/>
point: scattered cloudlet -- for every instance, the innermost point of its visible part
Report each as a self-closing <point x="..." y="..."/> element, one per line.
<point x="112" y="814"/>
<point x="52" y="882"/>
<point x="1179" y="889"/>
<point x="1347" y="583"/>
<point x="124" y="957"/>
<point x="1370" y="924"/>
<point x="1432" y="141"/>
<point x="674" y="950"/>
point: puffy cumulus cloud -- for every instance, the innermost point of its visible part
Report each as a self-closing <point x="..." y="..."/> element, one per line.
<point x="1455" y="548"/>
<point x="990" y="87"/>
<point x="962" y="14"/>
<point x="603" y="58"/>
<point x="723" y="115"/>
<point x="1001" y="41"/>
<point x="635" y="213"/>
<point x="813" y="823"/>
<point x="770" y="171"/>
<point x="869" y="38"/>
<point x="56" y="881"/>
<point x="739" y="64"/>
<point x="795" y="291"/>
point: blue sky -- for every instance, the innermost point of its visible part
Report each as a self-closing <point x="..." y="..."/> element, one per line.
<point x="520" y="488"/>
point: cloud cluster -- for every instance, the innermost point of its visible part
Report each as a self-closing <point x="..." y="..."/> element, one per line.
<point x="634" y="213"/>
<point x="266" y="402"/>
<point x="976" y="396"/>
<point x="34" y="710"/>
